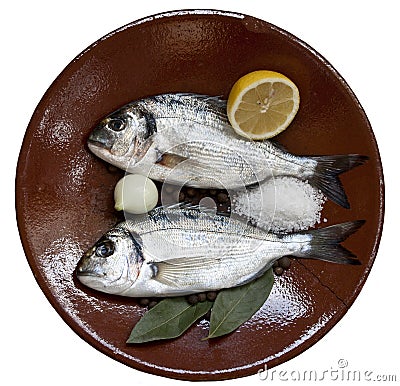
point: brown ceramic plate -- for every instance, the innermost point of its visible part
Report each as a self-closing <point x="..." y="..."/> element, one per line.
<point x="64" y="193"/>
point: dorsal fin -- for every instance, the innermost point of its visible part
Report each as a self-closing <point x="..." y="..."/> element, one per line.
<point x="215" y="101"/>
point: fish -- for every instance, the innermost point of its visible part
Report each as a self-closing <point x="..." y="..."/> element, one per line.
<point x="186" y="139"/>
<point x="185" y="249"/>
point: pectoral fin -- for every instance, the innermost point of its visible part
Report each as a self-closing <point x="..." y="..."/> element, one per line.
<point x="181" y="271"/>
<point x="170" y="160"/>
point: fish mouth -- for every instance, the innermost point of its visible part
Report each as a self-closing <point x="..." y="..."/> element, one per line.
<point x="86" y="273"/>
<point x="95" y="141"/>
<point x="94" y="145"/>
<point x="90" y="279"/>
<point x="101" y="137"/>
<point x="100" y="149"/>
<point x="81" y="272"/>
<point x="84" y="268"/>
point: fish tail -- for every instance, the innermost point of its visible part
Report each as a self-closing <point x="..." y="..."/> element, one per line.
<point x="325" y="243"/>
<point x="327" y="171"/>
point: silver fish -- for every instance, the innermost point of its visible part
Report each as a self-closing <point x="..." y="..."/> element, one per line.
<point x="182" y="250"/>
<point x="187" y="139"/>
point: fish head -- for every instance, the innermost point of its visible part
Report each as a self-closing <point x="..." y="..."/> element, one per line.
<point x="123" y="137"/>
<point x="113" y="263"/>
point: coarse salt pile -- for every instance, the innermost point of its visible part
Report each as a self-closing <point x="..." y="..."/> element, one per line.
<point x="283" y="204"/>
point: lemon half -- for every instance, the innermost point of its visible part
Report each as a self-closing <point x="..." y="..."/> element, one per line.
<point x="262" y="104"/>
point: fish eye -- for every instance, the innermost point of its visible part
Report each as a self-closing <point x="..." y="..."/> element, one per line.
<point x="105" y="249"/>
<point x="117" y="124"/>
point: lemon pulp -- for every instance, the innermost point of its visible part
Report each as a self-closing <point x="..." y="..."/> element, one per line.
<point x="262" y="104"/>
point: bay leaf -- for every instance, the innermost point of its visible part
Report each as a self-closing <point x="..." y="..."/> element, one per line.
<point x="234" y="306"/>
<point x="170" y="318"/>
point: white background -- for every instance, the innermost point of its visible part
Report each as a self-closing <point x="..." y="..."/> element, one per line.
<point x="39" y="38"/>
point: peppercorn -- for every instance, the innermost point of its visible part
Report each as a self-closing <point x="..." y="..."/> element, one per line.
<point x="144" y="302"/>
<point x="222" y="197"/>
<point x="191" y="192"/>
<point x="202" y="297"/>
<point x="211" y="296"/>
<point x="193" y="299"/>
<point x="284" y="262"/>
<point x="153" y="303"/>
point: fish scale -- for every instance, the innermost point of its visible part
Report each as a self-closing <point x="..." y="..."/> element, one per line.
<point x="182" y="249"/>
<point x="186" y="139"/>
